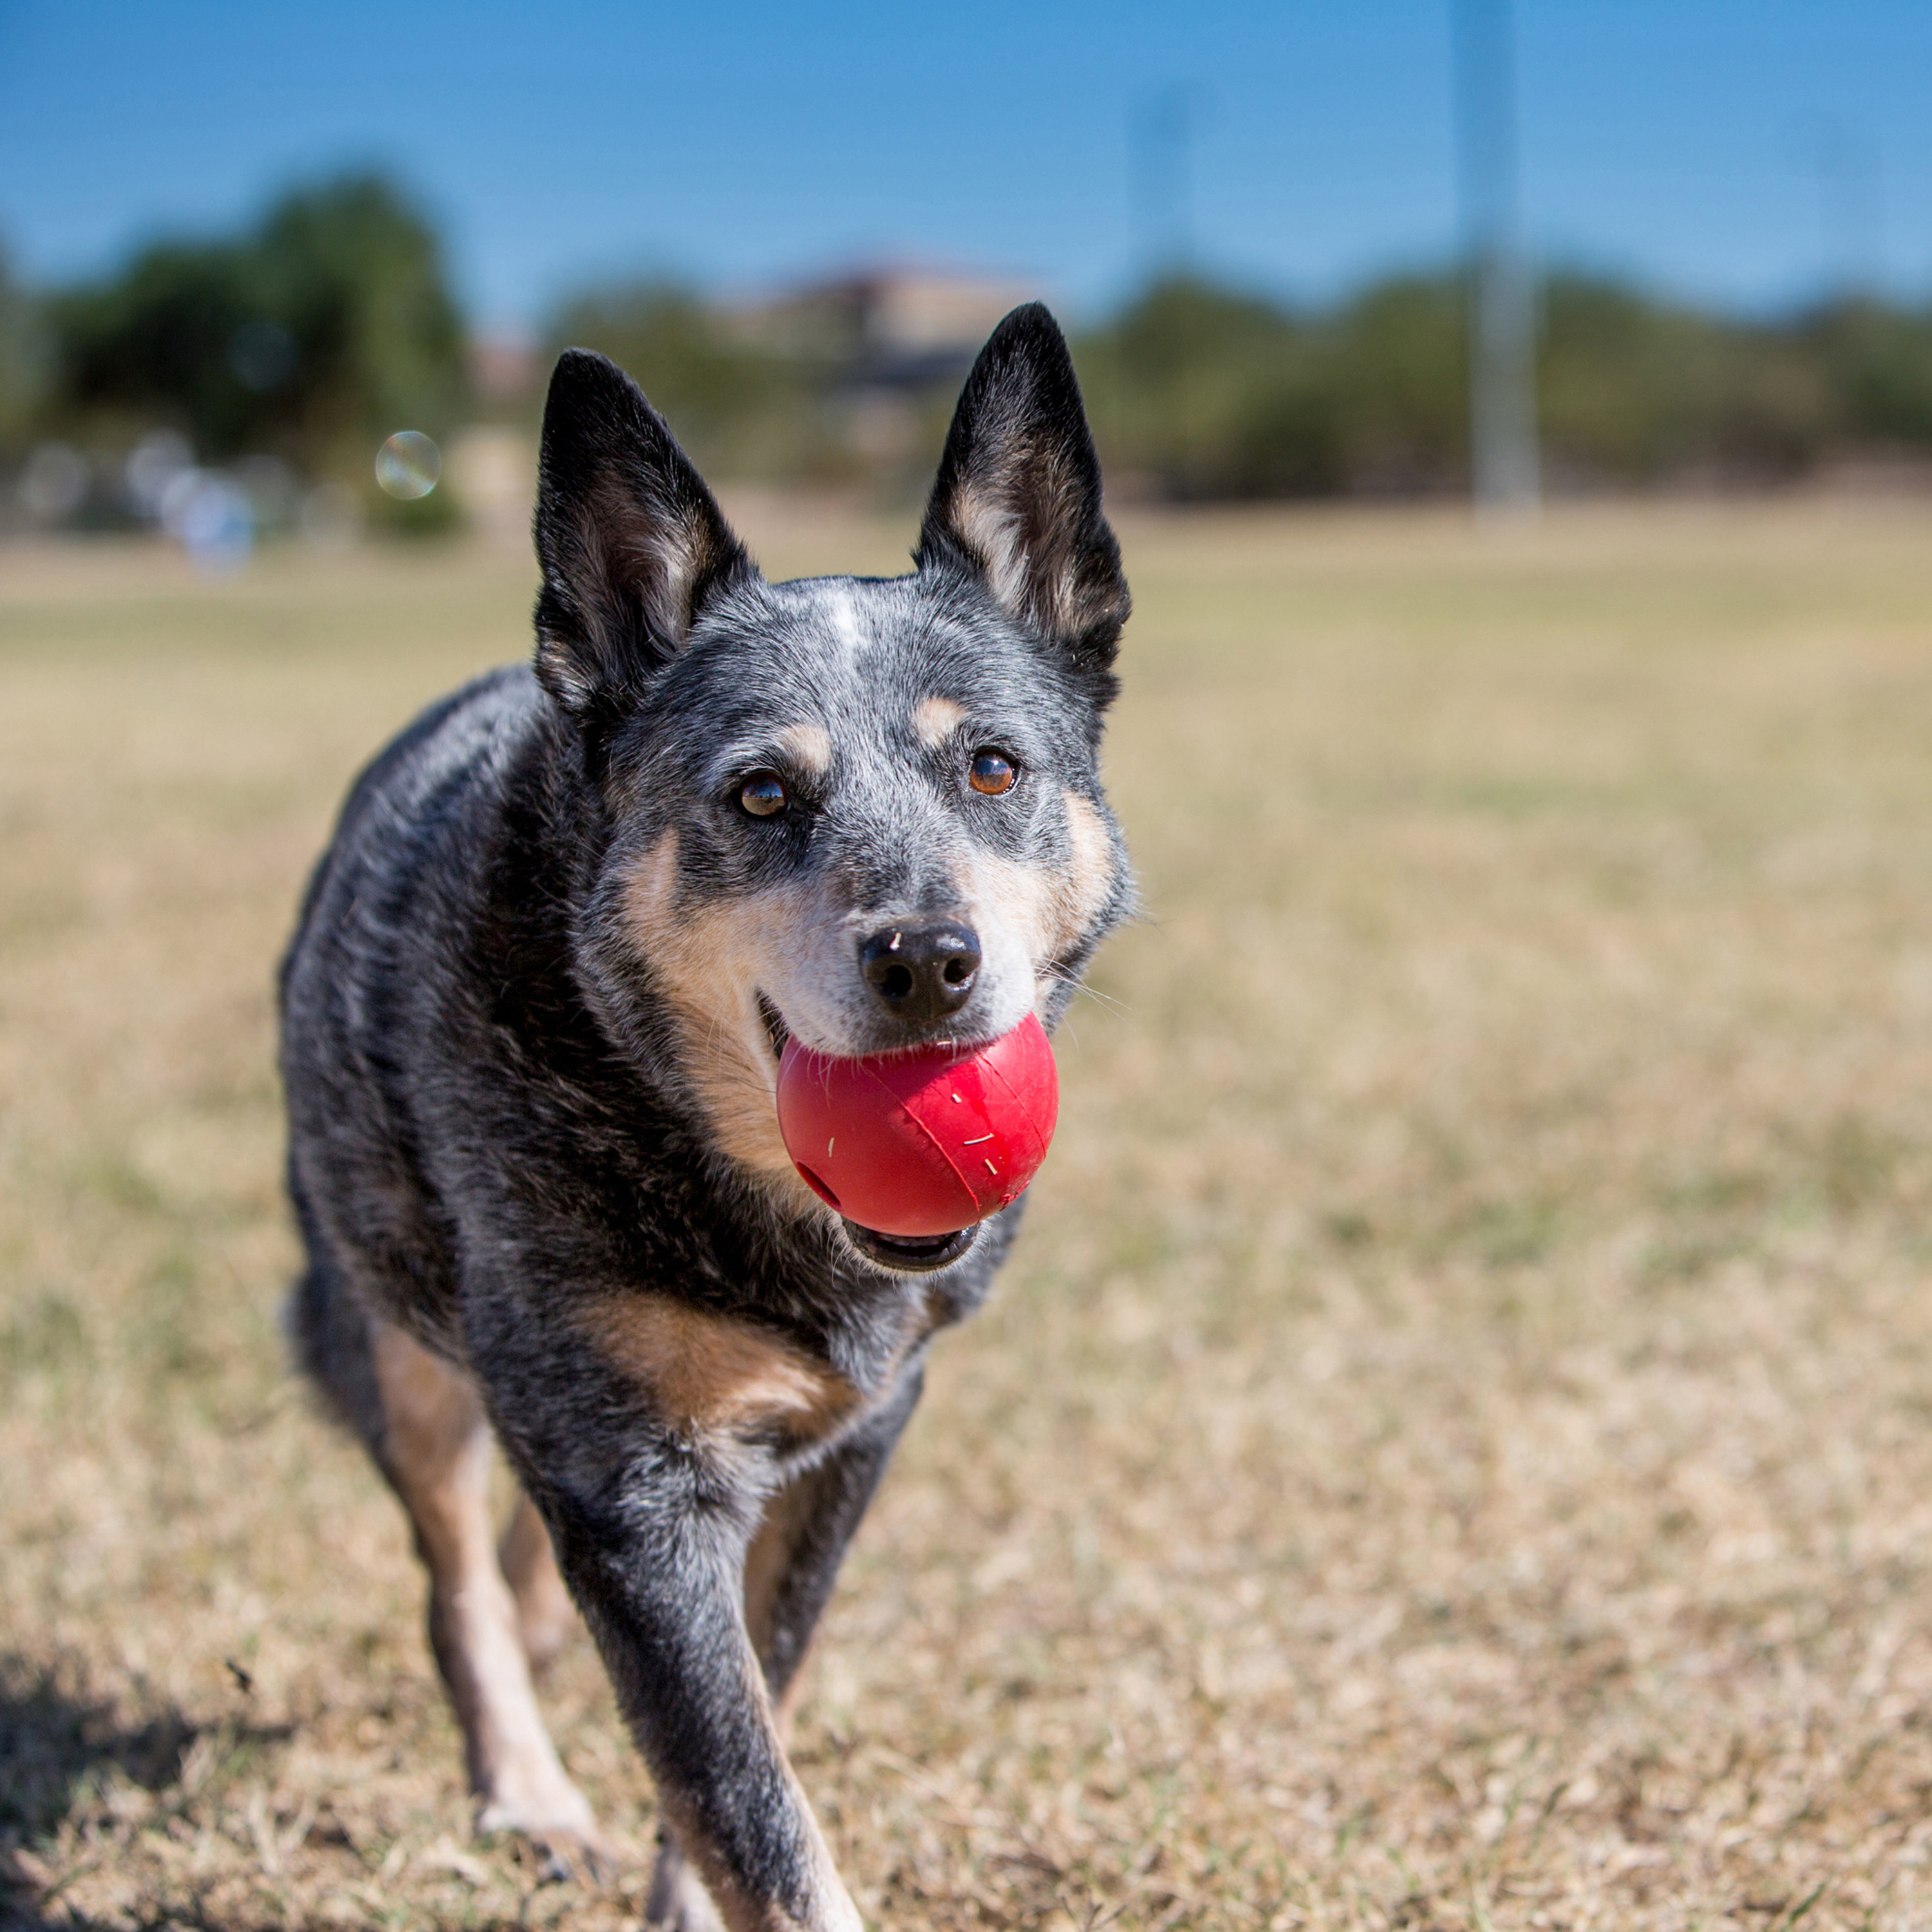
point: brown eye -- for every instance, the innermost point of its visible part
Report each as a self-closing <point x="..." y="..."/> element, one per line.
<point x="991" y="773"/>
<point x="763" y="795"/>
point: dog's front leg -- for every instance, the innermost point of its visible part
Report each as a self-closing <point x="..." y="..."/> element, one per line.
<point x="790" y="1569"/>
<point x="794" y="1560"/>
<point x="654" y="1551"/>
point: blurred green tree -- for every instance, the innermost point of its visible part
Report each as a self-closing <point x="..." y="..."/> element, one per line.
<point x="1197" y="392"/>
<point x="1633" y="391"/>
<point x="21" y="372"/>
<point x="1878" y="360"/>
<point x="311" y="338"/>
<point x="1396" y="362"/>
<point x="741" y="407"/>
<point x="330" y="324"/>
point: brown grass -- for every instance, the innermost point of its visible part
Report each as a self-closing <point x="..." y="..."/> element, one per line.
<point x="1455" y="1449"/>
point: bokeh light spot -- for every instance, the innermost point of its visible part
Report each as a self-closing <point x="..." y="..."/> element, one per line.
<point x="208" y="515"/>
<point x="409" y="465"/>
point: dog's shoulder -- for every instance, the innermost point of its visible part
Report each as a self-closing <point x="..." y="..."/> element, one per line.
<point x="416" y="810"/>
<point x="456" y="754"/>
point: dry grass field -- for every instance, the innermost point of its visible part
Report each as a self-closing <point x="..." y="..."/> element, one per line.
<point x="1455" y="1448"/>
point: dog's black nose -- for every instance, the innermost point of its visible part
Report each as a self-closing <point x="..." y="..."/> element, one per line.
<point x="921" y="972"/>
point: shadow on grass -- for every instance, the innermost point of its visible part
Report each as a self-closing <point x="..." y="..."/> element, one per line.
<point x="60" y="1748"/>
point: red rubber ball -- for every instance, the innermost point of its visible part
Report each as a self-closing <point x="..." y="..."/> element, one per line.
<point x="921" y="1144"/>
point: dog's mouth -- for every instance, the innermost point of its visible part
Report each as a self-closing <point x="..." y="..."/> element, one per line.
<point x="776" y="1031"/>
<point x="903" y="1254"/>
<point x="906" y="1255"/>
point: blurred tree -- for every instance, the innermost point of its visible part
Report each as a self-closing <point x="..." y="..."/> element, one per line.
<point x="741" y="407"/>
<point x="21" y="372"/>
<point x="1196" y="392"/>
<point x="312" y="338"/>
<point x="1879" y="362"/>
<point x="1199" y="392"/>
<point x="1396" y="364"/>
<point x="1635" y="391"/>
<point x="330" y="325"/>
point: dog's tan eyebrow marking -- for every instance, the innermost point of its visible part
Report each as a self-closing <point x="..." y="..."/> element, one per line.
<point x="809" y="744"/>
<point x="935" y="719"/>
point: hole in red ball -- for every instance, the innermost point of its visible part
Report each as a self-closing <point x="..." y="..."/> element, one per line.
<point x="818" y="1187"/>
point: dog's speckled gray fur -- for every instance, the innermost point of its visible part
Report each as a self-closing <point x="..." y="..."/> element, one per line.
<point x="536" y="983"/>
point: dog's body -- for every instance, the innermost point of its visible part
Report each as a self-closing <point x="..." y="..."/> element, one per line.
<point x="531" y="1022"/>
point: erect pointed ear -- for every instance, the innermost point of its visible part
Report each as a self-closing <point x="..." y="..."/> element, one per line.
<point x="1018" y="499"/>
<point x="630" y="541"/>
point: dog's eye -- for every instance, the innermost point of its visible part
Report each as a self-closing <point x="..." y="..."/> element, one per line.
<point x="763" y="795"/>
<point x="992" y="773"/>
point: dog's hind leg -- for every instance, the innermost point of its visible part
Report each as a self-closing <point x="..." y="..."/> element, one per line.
<point x="546" y="1618"/>
<point x="435" y="1448"/>
<point x="678" y="1900"/>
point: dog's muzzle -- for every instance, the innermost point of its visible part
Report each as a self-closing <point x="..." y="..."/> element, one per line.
<point x="907" y="1256"/>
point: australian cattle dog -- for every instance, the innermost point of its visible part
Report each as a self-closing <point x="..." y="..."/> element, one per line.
<point x="531" y="1020"/>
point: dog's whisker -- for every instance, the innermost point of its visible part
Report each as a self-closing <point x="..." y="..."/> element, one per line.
<point x="1081" y="988"/>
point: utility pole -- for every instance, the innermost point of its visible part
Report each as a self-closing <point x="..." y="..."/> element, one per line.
<point x="1851" y="208"/>
<point x="1502" y="296"/>
<point x="1161" y="141"/>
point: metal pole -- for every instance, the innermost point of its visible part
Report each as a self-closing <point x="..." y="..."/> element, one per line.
<point x="1162" y="134"/>
<point x="1505" y="469"/>
<point x="1850" y="209"/>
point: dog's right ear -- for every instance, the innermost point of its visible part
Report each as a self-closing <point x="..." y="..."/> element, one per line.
<point x="1017" y="503"/>
<point x="630" y="541"/>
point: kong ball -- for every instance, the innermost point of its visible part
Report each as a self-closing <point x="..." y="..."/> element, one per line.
<point x="921" y="1144"/>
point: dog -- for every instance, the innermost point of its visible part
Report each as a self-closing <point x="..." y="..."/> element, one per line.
<point x="531" y="1019"/>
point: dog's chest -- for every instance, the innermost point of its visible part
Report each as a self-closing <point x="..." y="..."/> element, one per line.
<point x="708" y="1375"/>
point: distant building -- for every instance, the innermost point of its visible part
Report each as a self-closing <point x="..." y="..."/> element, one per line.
<point x="503" y="366"/>
<point x="891" y="328"/>
<point x="890" y="339"/>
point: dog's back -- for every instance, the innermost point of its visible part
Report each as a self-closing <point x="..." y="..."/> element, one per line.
<point x="356" y="985"/>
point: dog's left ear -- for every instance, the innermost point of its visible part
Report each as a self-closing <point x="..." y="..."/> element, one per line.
<point x="1017" y="500"/>
<point x="630" y="541"/>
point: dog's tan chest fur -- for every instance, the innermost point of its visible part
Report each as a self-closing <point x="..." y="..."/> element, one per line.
<point x="715" y="1375"/>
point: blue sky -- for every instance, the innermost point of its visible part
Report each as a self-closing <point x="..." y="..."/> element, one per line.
<point x="1746" y="154"/>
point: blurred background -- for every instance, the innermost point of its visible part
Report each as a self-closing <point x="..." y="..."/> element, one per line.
<point x="1450" y="1451"/>
<point x="1691" y="245"/>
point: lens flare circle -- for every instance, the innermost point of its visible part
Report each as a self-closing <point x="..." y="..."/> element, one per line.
<point x="409" y="465"/>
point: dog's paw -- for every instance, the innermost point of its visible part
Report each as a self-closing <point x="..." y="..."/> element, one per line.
<point x="559" y="1824"/>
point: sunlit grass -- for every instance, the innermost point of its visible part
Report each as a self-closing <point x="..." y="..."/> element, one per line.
<point x="1455" y="1448"/>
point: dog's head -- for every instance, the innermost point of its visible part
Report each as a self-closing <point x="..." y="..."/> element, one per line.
<point x="865" y="811"/>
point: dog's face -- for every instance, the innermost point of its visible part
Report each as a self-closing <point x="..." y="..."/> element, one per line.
<point x="872" y="807"/>
<point x="864" y="811"/>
